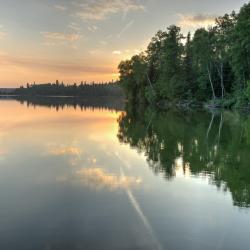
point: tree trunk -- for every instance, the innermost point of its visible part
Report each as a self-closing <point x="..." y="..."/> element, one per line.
<point x="210" y="125"/>
<point x="222" y="81"/>
<point x="220" y="128"/>
<point x="150" y="83"/>
<point x="221" y="74"/>
<point x="211" y="82"/>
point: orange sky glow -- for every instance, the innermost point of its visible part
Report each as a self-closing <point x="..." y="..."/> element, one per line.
<point x="85" y="40"/>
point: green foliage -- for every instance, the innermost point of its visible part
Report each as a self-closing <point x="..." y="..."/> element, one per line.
<point x="82" y="90"/>
<point x="150" y="95"/>
<point x="229" y="102"/>
<point x="170" y="79"/>
<point x="240" y="98"/>
<point x="133" y="78"/>
<point x="247" y="92"/>
<point x="213" y="64"/>
<point x="243" y="96"/>
<point x="240" y="50"/>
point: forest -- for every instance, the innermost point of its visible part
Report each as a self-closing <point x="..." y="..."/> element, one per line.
<point x="60" y="89"/>
<point x="211" y="66"/>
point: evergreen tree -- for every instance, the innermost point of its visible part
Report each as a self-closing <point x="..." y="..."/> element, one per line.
<point x="171" y="81"/>
<point x="241" y="47"/>
<point x="188" y="68"/>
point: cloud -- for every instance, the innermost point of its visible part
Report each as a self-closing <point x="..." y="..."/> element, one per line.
<point x="116" y="52"/>
<point x="98" y="178"/>
<point x="194" y="21"/>
<point x="125" y="28"/>
<point x="103" y="42"/>
<point x="108" y="37"/>
<point x="101" y="9"/>
<point x="97" y="52"/>
<point x="92" y="28"/>
<point x="64" y="150"/>
<point x="72" y="153"/>
<point x="127" y="52"/>
<point x="137" y="51"/>
<point x="74" y="26"/>
<point x="58" y="36"/>
<point x="60" y="7"/>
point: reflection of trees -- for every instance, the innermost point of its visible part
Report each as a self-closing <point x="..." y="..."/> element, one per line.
<point x="213" y="145"/>
<point x="106" y="103"/>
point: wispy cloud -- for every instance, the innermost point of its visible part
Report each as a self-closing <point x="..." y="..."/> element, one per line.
<point x="63" y="150"/>
<point x="97" y="52"/>
<point x="128" y="25"/>
<point x="59" y="36"/>
<point x="103" y="43"/>
<point x="116" y="52"/>
<point x="60" y="7"/>
<point x="194" y="21"/>
<point x="98" y="179"/>
<point x="101" y="9"/>
<point x="93" y="28"/>
<point x="127" y="52"/>
<point x="74" y="26"/>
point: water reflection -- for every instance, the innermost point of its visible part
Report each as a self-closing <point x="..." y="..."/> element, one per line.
<point x="210" y="145"/>
<point x="63" y="150"/>
<point x="60" y="103"/>
<point x="67" y="182"/>
<point x="98" y="179"/>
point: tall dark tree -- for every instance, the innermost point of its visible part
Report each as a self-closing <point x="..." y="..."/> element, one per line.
<point x="171" y="81"/>
<point x="241" y="47"/>
<point x="188" y="68"/>
<point x="223" y="43"/>
<point x="133" y="78"/>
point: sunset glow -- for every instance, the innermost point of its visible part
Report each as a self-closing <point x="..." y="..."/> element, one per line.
<point x="83" y="40"/>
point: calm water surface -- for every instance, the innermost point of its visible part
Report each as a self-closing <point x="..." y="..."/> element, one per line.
<point x="91" y="178"/>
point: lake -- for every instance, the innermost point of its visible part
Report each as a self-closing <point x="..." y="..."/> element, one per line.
<point x="93" y="176"/>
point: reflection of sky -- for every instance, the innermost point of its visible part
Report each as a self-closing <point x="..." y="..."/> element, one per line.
<point x="65" y="181"/>
<point x="97" y="178"/>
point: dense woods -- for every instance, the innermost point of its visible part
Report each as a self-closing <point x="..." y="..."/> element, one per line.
<point x="60" y="89"/>
<point x="212" y="65"/>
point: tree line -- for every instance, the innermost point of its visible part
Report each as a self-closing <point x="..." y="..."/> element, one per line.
<point x="212" y="65"/>
<point x="61" y="89"/>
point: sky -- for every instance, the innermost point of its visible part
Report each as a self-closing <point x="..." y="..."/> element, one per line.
<point x="84" y="40"/>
